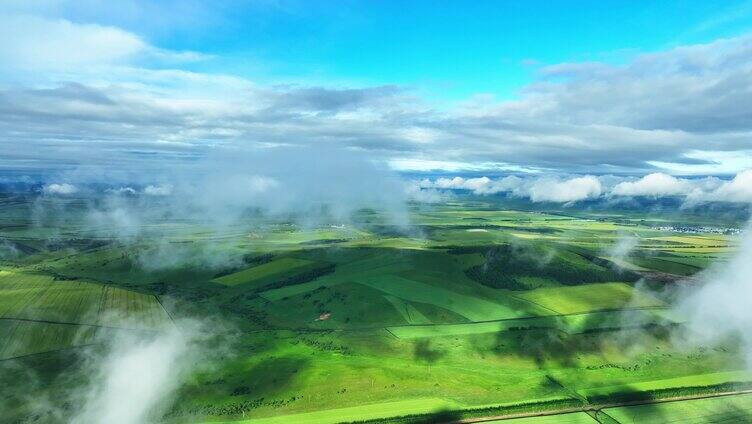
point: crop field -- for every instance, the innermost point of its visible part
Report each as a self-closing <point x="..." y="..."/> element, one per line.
<point x="22" y="338"/>
<point x="571" y="418"/>
<point x="376" y="262"/>
<point x="127" y="308"/>
<point x="725" y="409"/>
<point x="364" y="412"/>
<point x="76" y="302"/>
<point x="409" y="312"/>
<point x="39" y="314"/>
<point x="265" y="271"/>
<point x="419" y="331"/>
<point x="474" y="310"/>
<point x="590" y="298"/>
<point x="695" y="380"/>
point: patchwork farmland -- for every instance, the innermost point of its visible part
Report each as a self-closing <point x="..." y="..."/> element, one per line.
<point x="486" y="313"/>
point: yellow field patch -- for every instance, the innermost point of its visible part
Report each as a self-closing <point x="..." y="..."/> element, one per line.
<point x="692" y="240"/>
<point x="589" y="297"/>
<point x="533" y="236"/>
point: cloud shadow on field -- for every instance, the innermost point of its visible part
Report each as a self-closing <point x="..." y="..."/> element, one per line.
<point x="269" y="377"/>
<point x="423" y="351"/>
<point x="37" y="388"/>
<point x="550" y="347"/>
<point x="438" y="417"/>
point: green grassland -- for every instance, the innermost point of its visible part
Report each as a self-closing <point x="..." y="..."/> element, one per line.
<point x="590" y="298"/>
<point x="265" y="272"/>
<point x="363" y="412"/>
<point x="695" y="380"/>
<point x="473" y="310"/>
<point x="571" y="418"/>
<point x="726" y="409"/>
<point x="40" y="314"/>
<point x="571" y="324"/>
<point x="22" y="338"/>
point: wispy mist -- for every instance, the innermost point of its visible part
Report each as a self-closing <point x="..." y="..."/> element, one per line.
<point x="8" y="250"/>
<point x="619" y="251"/>
<point x="134" y="381"/>
<point x="227" y="191"/>
<point x="134" y="378"/>
<point x="719" y="307"/>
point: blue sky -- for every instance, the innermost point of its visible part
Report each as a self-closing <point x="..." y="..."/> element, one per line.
<point x="617" y="87"/>
<point x="449" y="49"/>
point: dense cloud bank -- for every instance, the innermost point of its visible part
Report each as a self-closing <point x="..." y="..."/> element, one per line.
<point x="565" y="189"/>
<point x="85" y="94"/>
<point x="363" y="184"/>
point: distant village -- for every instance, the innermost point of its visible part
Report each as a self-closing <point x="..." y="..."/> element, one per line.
<point x="700" y="230"/>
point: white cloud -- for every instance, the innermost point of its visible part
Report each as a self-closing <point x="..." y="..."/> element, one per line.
<point x="694" y="190"/>
<point x="416" y="193"/>
<point x="537" y="189"/>
<point x="427" y="165"/>
<point x="481" y="185"/>
<point x="63" y="189"/>
<point x="571" y="190"/>
<point x="718" y="308"/>
<point x="738" y="189"/>
<point x="39" y="42"/>
<point x="123" y="190"/>
<point x="99" y="91"/>
<point x="703" y="162"/>
<point x="158" y="190"/>
<point x="656" y="184"/>
<point x="424" y="165"/>
<point x="420" y="135"/>
<point x="457" y="183"/>
<point x="138" y="377"/>
<point x="259" y="183"/>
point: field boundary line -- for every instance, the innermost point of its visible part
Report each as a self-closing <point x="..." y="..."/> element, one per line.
<point x="373" y="328"/>
<point x="522" y="299"/>
<point x="43" y="321"/>
<point x="169" y="315"/>
<point x="601" y="407"/>
<point x="639" y="308"/>
<point x="48" y="351"/>
<point x="390" y="332"/>
<point x="564" y="411"/>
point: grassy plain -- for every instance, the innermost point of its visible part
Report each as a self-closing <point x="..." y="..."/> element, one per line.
<point x="264" y="271"/>
<point x="725" y="409"/>
<point x="590" y="298"/>
<point x="571" y="418"/>
<point x="473" y="307"/>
